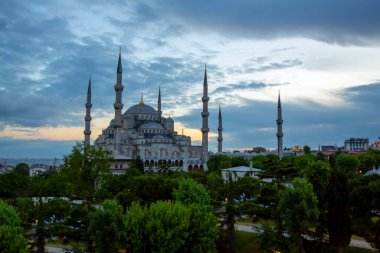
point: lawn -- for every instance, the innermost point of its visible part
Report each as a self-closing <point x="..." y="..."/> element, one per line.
<point x="249" y="242"/>
<point x="246" y="242"/>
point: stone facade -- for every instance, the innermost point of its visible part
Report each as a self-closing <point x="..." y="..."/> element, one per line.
<point x="142" y="132"/>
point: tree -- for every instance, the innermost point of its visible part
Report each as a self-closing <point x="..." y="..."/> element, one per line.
<point x="339" y="222"/>
<point x="268" y="198"/>
<point x="148" y="188"/>
<point x="135" y="224"/>
<point x="22" y="169"/>
<point x="86" y="168"/>
<point x="215" y="186"/>
<point x="307" y="150"/>
<point x="137" y="164"/>
<point x="14" y="184"/>
<point x="78" y="221"/>
<point x="11" y="238"/>
<point x="347" y="164"/>
<point x="164" y="228"/>
<point x="218" y="162"/>
<point x="301" y="162"/>
<point x="227" y="225"/>
<point x="106" y="227"/>
<point x="318" y="174"/>
<point x="191" y="192"/>
<point x="258" y="161"/>
<point x="202" y="230"/>
<point x="238" y="161"/>
<point x="369" y="160"/>
<point x="364" y="201"/>
<point x="298" y="206"/>
<point x="8" y="215"/>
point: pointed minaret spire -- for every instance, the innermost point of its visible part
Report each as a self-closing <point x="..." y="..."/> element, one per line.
<point x="117" y="123"/>
<point x="87" y="119"/>
<point x="159" y="102"/>
<point x="279" y="127"/>
<point x="119" y="66"/>
<point x="205" y="115"/>
<point x="220" y="130"/>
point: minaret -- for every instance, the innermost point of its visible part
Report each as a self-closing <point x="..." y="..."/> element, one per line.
<point x="119" y="90"/>
<point x="205" y="128"/>
<point x="118" y="104"/>
<point x="159" y="103"/>
<point x="279" y="127"/>
<point x="87" y="119"/>
<point x="220" y="130"/>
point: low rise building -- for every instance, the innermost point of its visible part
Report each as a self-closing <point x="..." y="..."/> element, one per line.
<point x="356" y="144"/>
<point x="375" y="145"/>
<point x="240" y="171"/>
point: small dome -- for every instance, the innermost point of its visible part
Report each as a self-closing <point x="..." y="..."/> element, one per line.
<point x="141" y="109"/>
<point x="152" y="125"/>
<point x="169" y="120"/>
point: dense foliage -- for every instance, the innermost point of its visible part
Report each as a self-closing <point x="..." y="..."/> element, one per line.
<point x="176" y="211"/>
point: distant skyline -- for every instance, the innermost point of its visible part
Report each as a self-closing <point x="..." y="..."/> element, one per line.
<point x="324" y="57"/>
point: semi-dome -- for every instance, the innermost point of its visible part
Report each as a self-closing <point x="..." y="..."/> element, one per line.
<point x="141" y="109"/>
<point x="151" y="125"/>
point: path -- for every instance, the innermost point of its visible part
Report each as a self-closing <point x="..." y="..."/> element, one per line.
<point x="354" y="243"/>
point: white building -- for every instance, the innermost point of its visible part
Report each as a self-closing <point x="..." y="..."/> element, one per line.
<point x="240" y="171"/>
<point x="33" y="171"/>
<point x="356" y="144"/>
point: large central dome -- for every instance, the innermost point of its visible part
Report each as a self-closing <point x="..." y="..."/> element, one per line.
<point x="141" y="109"/>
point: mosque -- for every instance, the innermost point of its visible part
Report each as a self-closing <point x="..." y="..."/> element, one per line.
<point x="141" y="132"/>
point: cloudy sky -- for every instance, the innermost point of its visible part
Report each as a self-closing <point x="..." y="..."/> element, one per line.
<point x="324" y="57"/>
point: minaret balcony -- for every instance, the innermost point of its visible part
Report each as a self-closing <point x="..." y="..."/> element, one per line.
<point x="87" y="118"/>
<point x="118" y="87"/>
<point x="205" y="129"/>
<point x="279" y="121"/>
<point x="205" y="114"/>
<point x="205" y="99"/>
<point x="118" y="105"/>
<point x="280" y="135"/>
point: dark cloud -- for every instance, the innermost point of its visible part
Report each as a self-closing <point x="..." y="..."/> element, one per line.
<point x="332" y="21"/>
